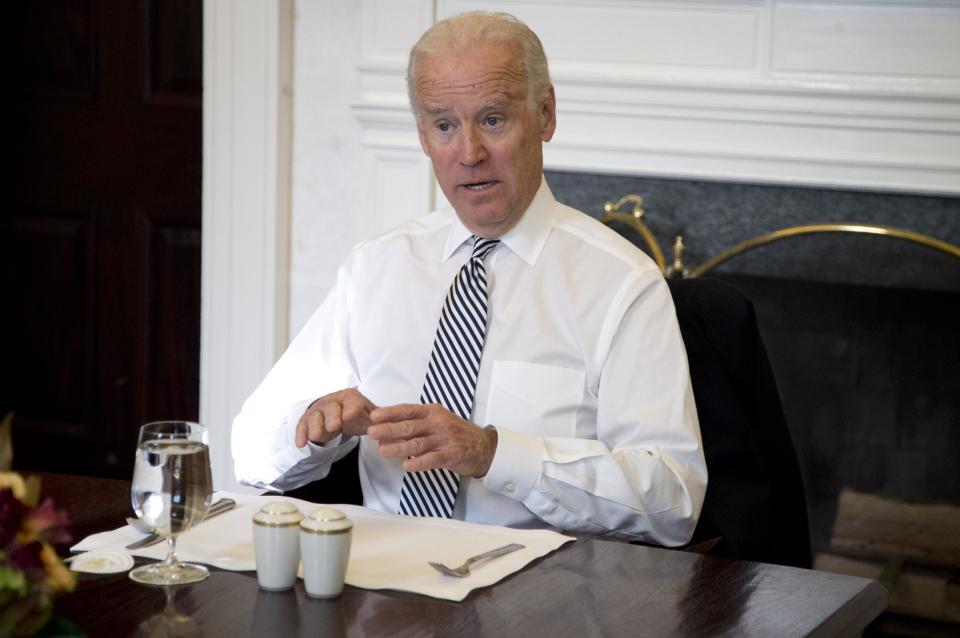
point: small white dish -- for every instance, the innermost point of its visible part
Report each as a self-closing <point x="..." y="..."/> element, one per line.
<point x="101" y="561"/>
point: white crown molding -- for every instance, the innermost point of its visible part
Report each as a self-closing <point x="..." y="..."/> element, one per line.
<point x="914" y="153"/>
<point x="754" y="168"/>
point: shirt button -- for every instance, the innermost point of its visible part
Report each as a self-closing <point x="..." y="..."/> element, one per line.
<point x="509" y="488"/>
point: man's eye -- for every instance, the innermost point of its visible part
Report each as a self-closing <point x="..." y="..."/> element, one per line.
<point x="443" y="127"/>
<point x="492" y="120"/>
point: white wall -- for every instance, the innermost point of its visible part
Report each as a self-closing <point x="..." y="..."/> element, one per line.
<point x="328" y="210"/>
<point x="337" y="168"/>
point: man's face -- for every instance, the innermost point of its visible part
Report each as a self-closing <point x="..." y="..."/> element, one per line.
<point x="485" y="140"/>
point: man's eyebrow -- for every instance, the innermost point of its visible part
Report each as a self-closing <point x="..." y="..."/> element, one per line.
<point x="433" y="110"/>
<point x="497" y="106"/>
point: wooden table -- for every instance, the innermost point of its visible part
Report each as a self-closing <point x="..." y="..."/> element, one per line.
<point x="586" y="588"/>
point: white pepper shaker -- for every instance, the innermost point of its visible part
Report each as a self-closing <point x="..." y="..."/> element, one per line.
<point x="276" y="545"/>
<point x="325" y="536"/>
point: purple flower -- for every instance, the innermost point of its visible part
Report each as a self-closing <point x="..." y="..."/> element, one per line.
<point x="12" y="512"/>
<point x="47" y="523"/>
<point x="27" y="557"/>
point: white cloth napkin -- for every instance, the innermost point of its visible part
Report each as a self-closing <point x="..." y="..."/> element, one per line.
<point x="388" y="551"/>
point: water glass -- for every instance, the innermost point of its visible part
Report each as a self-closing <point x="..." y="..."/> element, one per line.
<point x="171" y="492"/>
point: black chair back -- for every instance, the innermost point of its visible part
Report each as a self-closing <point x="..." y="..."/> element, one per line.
<point x="755" y="500"/>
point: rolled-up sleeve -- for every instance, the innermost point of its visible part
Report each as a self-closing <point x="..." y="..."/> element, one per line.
<point x="644" y="476"/>
<point x="317" y="362"/>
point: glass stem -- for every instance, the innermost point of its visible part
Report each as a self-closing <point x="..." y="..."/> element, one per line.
<point x="169" y="609"/>
<point x="171" y="562"/>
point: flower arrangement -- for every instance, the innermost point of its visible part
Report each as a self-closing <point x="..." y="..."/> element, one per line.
<point x="31" y="573"/>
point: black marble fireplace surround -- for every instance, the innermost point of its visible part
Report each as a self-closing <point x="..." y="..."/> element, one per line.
<point x="862" y="331"/>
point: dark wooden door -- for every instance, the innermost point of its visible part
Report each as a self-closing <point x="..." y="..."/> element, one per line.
<point x="100" y="248"/>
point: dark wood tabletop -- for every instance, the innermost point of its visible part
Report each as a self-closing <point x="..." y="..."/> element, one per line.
<point x="586" y="588"/>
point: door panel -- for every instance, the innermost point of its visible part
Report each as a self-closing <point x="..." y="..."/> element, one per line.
<point x="101" y="241"/>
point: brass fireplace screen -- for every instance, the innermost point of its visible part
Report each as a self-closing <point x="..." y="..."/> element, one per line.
<point x="612" y="213"/>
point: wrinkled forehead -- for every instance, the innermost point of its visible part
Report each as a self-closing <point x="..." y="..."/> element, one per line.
<point x="487" y="74"/>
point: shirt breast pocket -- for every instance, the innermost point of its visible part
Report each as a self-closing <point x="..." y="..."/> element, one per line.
<point x="535" y="399"/>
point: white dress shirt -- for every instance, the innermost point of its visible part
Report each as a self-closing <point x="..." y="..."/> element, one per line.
<point x="583" y="374"/>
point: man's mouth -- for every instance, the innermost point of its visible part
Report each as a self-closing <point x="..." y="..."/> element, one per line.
<point x="479" y="186"/>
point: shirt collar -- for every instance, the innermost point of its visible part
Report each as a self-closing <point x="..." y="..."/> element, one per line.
<point x="528" y="235"/>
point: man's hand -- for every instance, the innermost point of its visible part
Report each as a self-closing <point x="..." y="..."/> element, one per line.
<point x="345" y="411"/>
<point x="432" y="436"/>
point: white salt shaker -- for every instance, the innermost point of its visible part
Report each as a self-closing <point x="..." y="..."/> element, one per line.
<point x="276" y="545"/>
<point x="325" y="536"/>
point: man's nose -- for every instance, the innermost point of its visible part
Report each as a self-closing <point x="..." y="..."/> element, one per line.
<point x="472" y="150"/>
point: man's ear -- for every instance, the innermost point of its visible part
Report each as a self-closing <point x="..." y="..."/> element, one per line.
<point x="548" y="115"/>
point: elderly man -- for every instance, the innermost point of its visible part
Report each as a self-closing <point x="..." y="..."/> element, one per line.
<point x="508" y="361"/>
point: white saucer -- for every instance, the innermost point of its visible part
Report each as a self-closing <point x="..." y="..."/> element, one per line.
<point x="101" y="561"/>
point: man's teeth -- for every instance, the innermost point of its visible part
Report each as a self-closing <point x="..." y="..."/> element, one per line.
<point x="480" y="187"/>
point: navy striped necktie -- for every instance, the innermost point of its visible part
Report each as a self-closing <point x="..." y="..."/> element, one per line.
<point x="452" y="377"/>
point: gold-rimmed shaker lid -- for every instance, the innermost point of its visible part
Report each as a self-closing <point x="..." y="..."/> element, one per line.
<point x="278" y="514"/>
<point x="326" y="520"/>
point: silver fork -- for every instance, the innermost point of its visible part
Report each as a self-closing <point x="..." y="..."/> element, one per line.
<point x="464" y="570"/>
<point x="221" y="506"/>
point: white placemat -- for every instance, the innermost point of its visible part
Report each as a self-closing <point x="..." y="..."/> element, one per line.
<point x="388" y="551"/>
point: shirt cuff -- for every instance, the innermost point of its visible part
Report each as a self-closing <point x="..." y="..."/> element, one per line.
<point x="332" y="443"/>
<point x="291" y="464"/>
<point x="516" y="464"/>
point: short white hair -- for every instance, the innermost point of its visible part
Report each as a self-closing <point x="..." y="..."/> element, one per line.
<point x="462" y="32"/>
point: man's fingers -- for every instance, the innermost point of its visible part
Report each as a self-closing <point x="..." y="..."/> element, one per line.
<point x="315" y="424"/>
<point x="428" y="461"/>
<point x="344" y="411"/>
<point x="397" y="430"/>
<point x="410" y="447"/>
<point x="356" y="406"/>
<point x="332" y="412"/>
<point x="427" y="436"/>
<point x="301" y="436"/>
<point x="351" y="410"/>
<point x="401" y="412"/>
<point x="309" y="427"/>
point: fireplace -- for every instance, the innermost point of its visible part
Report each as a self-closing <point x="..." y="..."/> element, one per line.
<point x="860" y="330"/>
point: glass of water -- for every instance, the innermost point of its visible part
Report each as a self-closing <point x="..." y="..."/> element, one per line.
<point x="171" y="493"/>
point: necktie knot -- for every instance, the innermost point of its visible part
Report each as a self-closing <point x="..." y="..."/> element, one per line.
<point x="482" y="247"/>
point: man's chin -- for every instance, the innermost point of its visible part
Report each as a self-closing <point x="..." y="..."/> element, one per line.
<point x="485" y="222"/>
<point x="488" y="199"/>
